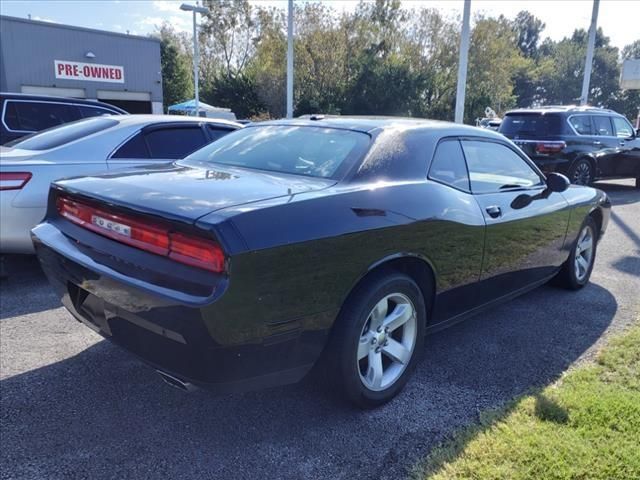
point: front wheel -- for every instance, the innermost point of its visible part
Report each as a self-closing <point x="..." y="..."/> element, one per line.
<point x="576" y="271"/>
<point x="378" y="338"/>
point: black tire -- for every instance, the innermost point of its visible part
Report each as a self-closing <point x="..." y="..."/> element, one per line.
<point x="344" y="368"/>
<point x="581" y="172"/>
<point x="567" y="276"/>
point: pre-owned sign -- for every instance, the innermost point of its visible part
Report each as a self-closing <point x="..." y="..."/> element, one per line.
<point x="89" y="71"/>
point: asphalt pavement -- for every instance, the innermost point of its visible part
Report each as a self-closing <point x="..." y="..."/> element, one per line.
<point x="74" y="406"/>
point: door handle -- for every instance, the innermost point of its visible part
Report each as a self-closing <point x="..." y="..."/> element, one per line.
<point x="596" y="143"/>
<point x="622" y="143"/>
<point x="494" y="211"/>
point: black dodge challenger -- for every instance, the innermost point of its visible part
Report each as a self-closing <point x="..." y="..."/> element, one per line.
<point x="337" y="241"/>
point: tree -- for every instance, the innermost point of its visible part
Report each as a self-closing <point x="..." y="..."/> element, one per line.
<point x="562" y="84"/>
<point x="177" y="78"/>
<point x="490" y="82"/>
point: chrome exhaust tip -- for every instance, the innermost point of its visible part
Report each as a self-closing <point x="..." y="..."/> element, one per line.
<point x="176" y="382"/>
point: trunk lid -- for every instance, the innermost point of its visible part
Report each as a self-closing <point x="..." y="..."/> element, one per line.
<point x="187" y="192"/>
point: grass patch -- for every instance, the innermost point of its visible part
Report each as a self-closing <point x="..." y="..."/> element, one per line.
<point x="585" y="426"/>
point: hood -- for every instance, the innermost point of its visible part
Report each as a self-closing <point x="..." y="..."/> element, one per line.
<point x="187" y="192"/>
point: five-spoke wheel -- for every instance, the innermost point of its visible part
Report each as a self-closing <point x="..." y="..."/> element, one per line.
<point x="387" y="341"/>
<point x="377" y="338"/>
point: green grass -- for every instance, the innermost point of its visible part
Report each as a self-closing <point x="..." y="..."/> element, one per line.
<point x="585" y="426"/>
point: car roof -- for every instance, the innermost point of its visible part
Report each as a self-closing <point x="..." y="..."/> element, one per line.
<point x="562" y="109"/>
<point x="372" y="123"/>
<point x="140" y="119"/>
<point x="54" y="98"/>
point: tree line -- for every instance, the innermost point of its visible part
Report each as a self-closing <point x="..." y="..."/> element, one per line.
<point x="384" y="59"/>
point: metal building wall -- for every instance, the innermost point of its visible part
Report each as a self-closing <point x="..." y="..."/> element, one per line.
<point x="28" y="49"/>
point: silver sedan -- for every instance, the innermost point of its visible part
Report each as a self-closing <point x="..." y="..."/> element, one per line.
<point x="85" y="147"/>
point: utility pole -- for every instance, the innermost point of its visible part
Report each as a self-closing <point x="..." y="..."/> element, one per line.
<point x="588" y="64"/>
<point x="196" y="50"/>
<point x="290" y="61"/>
<point x="462" y="62"/>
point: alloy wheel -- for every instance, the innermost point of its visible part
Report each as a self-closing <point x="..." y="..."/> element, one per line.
<point x="582" y="174"/>
<point x="584" y="253"/>
<point x="387" y="342"/>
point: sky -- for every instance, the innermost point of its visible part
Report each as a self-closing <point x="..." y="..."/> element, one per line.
<point x="618" y="18"/>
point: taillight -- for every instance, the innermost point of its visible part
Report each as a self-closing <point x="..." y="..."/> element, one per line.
<point x="550" y="147"/>
<point x="183" y="248"/>
<point x="14" y="180"/>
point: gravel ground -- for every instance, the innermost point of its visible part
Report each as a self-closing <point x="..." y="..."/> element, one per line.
<point x="74" y="406"/>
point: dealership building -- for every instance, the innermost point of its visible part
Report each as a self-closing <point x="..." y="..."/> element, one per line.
<point x="46" y="58"/>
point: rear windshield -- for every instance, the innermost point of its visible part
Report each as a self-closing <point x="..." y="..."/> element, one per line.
<point x="62" y="134"/>
<point x="302" y="150"/>
<point x="531" y="125"/>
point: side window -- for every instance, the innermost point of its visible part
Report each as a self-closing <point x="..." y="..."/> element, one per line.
<point x="35" y="116"/>
<point x="175" y="143"/>
<point x="135" y="147"/>
<point x="494" y="167"/>
<point x="581" y="124"/>
<point x="216" y="132"/>
<point x="448" y="165"/>
<point x="623" y="128"/>
<point x="88" y="111"/>
<point x="602" y="125"/>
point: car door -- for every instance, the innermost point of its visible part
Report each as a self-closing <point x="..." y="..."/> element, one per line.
<point x="608" y="145"/>
<point x="628" y="161"/>
<point x="160" y="142"/>
<point x="525" y="222"/>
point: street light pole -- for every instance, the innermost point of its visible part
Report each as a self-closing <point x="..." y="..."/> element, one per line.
<point x="584" y="97"/>
<point x="196" y="50"/>
<point x="462" y="63"/>
<point x="290" y="61"/>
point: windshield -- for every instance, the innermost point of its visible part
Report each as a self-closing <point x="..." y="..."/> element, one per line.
<point x="531" y="125"/>
<point x="62" y="134"/>
<point x="302" y="150"/>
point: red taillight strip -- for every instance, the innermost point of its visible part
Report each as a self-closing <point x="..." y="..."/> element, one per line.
<point x="194" y="251"/>
<point x="14" y="180"/>
<point x="550" y="147"/>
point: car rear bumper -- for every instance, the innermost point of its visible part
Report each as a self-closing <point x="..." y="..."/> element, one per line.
<point x="199" y="343"/>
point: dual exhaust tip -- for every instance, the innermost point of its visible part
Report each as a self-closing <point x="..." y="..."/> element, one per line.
<point x="176" y="382"/>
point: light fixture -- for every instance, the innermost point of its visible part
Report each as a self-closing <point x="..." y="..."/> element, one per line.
<point x="90" y="55"/>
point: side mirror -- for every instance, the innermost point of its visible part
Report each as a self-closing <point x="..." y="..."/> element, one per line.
<point x="556" y="182"/>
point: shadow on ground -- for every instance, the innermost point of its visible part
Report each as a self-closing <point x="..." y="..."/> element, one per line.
<point x="103" y="414"/>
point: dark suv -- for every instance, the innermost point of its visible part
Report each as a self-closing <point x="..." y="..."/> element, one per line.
<point x="584" y="143"/>
<point x="23" y="114"/>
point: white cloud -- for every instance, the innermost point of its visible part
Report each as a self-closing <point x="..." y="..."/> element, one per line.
<point x="169" y="6"/>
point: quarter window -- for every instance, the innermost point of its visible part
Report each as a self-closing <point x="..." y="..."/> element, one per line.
<point x="175" y="143"/>
<point x="623" y="128"/>
<point x="602" y="125"/>
<point x="448" y="165"/>
<point x="494" y="167"/>
<point x="133" y="148"/>
<point x="581" y="124"/>
<point x="216" y="132"/>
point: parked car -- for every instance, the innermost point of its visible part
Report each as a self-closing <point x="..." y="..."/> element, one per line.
<point x="24" y="114"/>
<point x="339" y="240"/>
<point x="584" y="143"/>
<point x="84" y="147"/>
